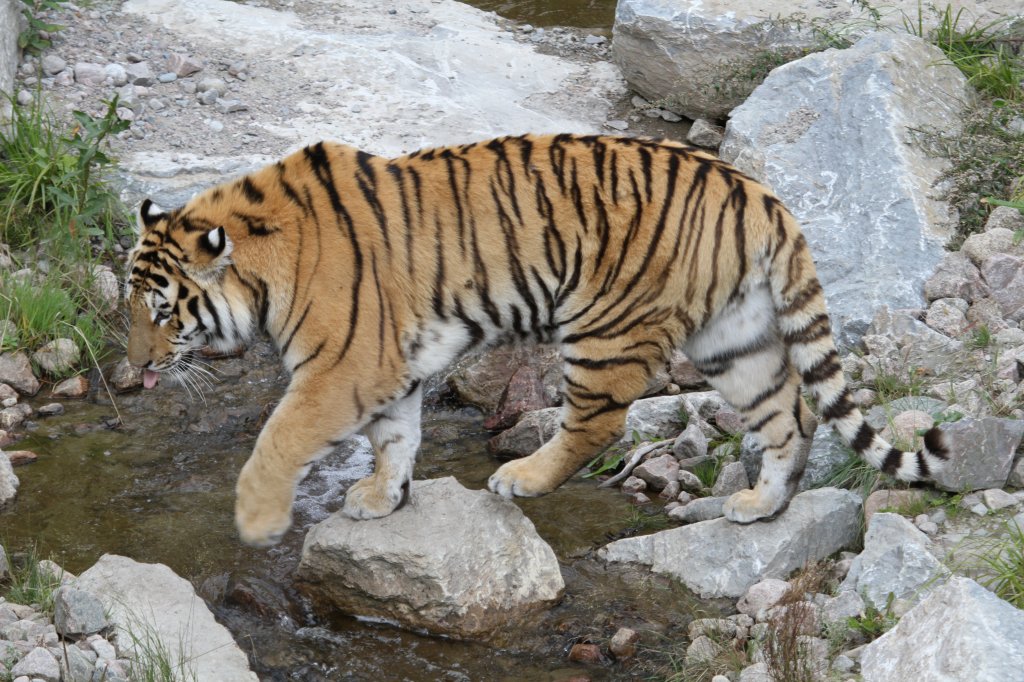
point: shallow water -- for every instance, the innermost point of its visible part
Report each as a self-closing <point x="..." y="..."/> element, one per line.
<point x="592" y="14"/>
<point x="161" y="489"/>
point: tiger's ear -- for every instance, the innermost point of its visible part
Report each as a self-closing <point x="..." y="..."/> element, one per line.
<point x="149" y="215"/>
<point x="211" y="256"/>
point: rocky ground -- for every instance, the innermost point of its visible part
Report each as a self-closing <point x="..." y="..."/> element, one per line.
<point x="211" y="94"/>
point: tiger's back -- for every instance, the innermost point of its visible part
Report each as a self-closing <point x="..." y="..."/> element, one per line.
<point x="373" y="273"/>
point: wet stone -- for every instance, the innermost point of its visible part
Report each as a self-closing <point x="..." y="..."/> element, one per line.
<point x="21" y="457"/>
<point x="658" y="471"/>
<point x="585" y="653"/>
<point x="700" y="509"/>
<point x="16" y="371"/>
<point x="623" y="643"/>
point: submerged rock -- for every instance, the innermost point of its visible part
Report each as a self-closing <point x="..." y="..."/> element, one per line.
<point x="720" y="558"/>
<point x="960" y="632"/>
<point x="456" y="562"/>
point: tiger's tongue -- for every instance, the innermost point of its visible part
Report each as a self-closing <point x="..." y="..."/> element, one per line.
<point x="149" y="378"/>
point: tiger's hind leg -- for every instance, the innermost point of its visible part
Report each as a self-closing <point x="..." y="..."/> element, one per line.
<point x="602" y="378"/>
<point x="395" y="437"/>
<point x="743" y="358"/>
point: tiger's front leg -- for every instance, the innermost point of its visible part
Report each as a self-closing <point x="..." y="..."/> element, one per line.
<point x="395" y="436"/>
<point x="305" y="426"/>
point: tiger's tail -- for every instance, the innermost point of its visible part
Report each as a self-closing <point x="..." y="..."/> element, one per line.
<point x="806" y="330"/>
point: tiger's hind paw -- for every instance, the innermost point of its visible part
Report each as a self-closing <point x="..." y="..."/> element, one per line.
<point x="747" y="506"/>
<point x="373" y="498"/>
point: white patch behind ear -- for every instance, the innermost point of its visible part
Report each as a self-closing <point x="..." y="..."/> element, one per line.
<point x="147" y="210"/>
<point x="213" y="237"/>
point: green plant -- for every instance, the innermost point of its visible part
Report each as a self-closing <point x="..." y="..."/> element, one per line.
<point x="30" y="584"/>
<point x="854" y="474"/>
<point x="985" y="53"/>
<point x="898" y="384"/>
<point x="1002" y="565"/>
<point x="154" y="660"/>
<point x="708" y="470"/>
<point x="33" y="39"/>
<point x="874" y="623"/>
<point x="980" y="338"/>
<point x="49" y="191"/>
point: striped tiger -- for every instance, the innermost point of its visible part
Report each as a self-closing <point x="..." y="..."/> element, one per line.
<point x="373" y="273"/>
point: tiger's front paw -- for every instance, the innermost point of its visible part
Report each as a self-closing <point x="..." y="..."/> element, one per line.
<point x="374" y="497"/>
<point x="520" y="478"/>
<point x="747" y="506"/>
<point x="262" y="514"/>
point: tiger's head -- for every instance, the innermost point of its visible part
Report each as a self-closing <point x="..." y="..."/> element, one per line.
<point x="174" y="288"/>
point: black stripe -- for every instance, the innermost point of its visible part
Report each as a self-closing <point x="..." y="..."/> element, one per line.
<point x="588" y="363"/>
<point x="251" y="192"/>
<point x="892" y="461"/>
<point x="298" y="325"/>
<point x="825" y="368"/>
<point x="922" y="466"/>
<point x="935" y="441"/>
<point x="862" y="441"/>
<point x="840" y="408"/>
<point x="763" y="421"/>
<point x="312" y="356"/>
<point x="764" y="395"/>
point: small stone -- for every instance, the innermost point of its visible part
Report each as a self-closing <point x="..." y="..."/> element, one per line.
<point x="731" y="479"/>
<point x="700" y="509"/>
<point x="21" y="457"/>
<point x="216" y="84"/>
<point x="690" y="443"/>
<point x="623" y="643"/>
<point x="658" y="471"/>
<point x="761" y="597"/>
<point x="890" y="499"/>
<point x="979" y="509"/>
<point x="168" y="77"/>
<point x="947" y="317"/>
<point x="1005" y="217"/>
<point x="57" y="356"/>
<point x="77" y="612"/>
<point x="230" y="106"/>
<point x="237" y="68"/>
<point x="215" y="126"/>
<point x="183" y="65"/>
<point x="617" y="124"/>
<point x="75" y="387"/>
<point x="64" y="78"/>
<point x="14" y="415"/>
<point x="126" y="377"/>
<point x="905" y="425"/>
<point x="634" y="485"/>
<point x="928" y="527"/>
<point x="87" y="73"/>
<point x="639" y="102"/>
<point x="139" y="73"/>
<point x="116" y="73"/>
<point x="39" y="664"/>
<point x="670" y="116"/>
<point x="640" y="499"/>
<point x="701" y="650"/>
<point x="996" y="499"/>
<point x="729" y="421"/>
<point x="24" y="98"/>
<point x="689" y="482"/>
<point x="52" y="64"/>
<point x="585" y="653"/>
<point x="595" y="40"/>
<point x="670" y="491"/>
<point x="705" y="134"/>
<point x="207" y="97"/>
<point x="105" y="651"/>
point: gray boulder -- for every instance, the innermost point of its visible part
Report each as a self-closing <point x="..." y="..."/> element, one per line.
<point x="955" y="277"/>
<point x="700" y="509"/>
<point x="961" y="631"/>
<point x="150" y="600"/>
<point x="77" y="612"/>
<point x="811" y="131"/>
<point x="895" y="560"/>
<point x="16" y="371"/>
<point x="918" y="346"/>
<point x="39" y="664"/>
<point x="719" y="558"/>
<point x="1004" y="275"/>
<point x="457" y="562"/>
<point x="11" y="25"/>
<point x="981" y="453"/>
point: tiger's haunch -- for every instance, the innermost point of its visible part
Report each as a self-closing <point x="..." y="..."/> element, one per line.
<point x="371" y="274"/>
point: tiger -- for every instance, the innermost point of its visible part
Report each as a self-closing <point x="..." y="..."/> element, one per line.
<point x="371" y="274"/>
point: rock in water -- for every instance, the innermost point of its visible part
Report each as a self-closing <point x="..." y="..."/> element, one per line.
<point x="456" y="562"/>
<point x="149" y="600"/>
<point x="960" y="632"/>
<point x="720" y="558"/>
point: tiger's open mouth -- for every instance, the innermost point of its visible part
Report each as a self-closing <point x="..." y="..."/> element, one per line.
<point x="149" y="378"/>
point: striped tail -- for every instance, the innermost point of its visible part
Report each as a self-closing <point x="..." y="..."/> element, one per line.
<point x="805" y="328"/>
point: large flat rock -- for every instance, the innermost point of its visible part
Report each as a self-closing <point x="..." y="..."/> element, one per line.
<point x="149" y="601"/>
<point x="720" y="558"/>
<point x="960" y="632"/>
<point x="834" y="135"/>
<point x="456" y="562"/>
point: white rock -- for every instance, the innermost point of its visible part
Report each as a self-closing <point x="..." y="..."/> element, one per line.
<point x="39" y="664"/>
<point x="88" y="73"/>
<point x="810" y="131"/>
<point x="8" y="480"/>
<point x="453" y="561"/>
<point x="961" y="631"/>
<point x="58" y="356"/>
<point x="996" y="499"/>
<point x="52" y="65"/>
<point x="116" y="73"/>
<point x="150" y="598"/>
<point x="895" y="560"/>
<point x="719" y="558"/>
<point x="761" y="597"/>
